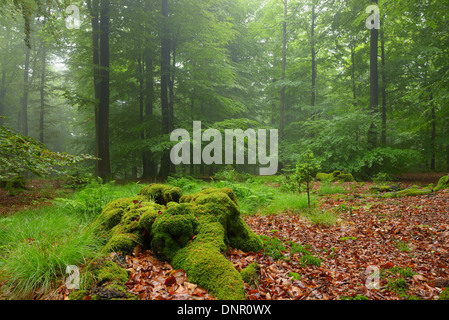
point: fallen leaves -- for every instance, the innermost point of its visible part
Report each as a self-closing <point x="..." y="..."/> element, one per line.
<point x="152" y="279"/>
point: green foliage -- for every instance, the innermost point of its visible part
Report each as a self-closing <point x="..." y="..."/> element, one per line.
<point x="19" y="154"/>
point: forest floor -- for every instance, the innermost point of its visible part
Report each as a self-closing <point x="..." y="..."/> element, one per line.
<point x="402" y="243"/>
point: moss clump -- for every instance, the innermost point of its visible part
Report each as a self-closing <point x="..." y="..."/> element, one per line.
<point x="294" y="275"/>
<point x="103" y="279"/>
<point x="205" y="264"/>
<point x="112" y="213"/>
<point x="170" y="232"/>
<point x="161" y="194"/>
<point x="122" y="242"/>
<point x="336" y="175"/>
<point x="250" y="274"/>
<point x="78" y="294"/>
<point x="412" y="191"/>
<point x="321" y="176"/>
<point x="398" y="285"/>
<point x="443" y="183"/>
<point x="112" y="291"/>
<point x="192" y="234"/>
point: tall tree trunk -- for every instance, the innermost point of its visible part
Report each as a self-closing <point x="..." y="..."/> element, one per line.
<point x="284" y="63"/>
<point x="149" y="168"/>
<point x="433" y="133"/>
<point x="374" y="84"/>
<point x="354" y="86"/>
<point x="313" y="52"/>
<point x="2" y="95"/>
<point x="42" y="94"/>
<point x="93" y="7"/>
<point x="383" y="91"/>
<point x="165" y="79"/>
<point x="104" y="166"/>
<point x="26" y="72"/>
<point x="447" y="158"/>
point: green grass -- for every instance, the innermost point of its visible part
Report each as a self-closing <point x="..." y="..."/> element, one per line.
<point x="37" y="246"/>
<point x="329" y="188"/>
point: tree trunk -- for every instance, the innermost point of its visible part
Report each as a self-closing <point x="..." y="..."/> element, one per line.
<point x="104" y="167"/>
<point x="312" y="46"/>
<point x="42" y="94"/>
<point x="2" y="95"/>
<point x="433" y="123"/>
<point x="165" y="79"/>
<point x="354" y="87"/>
<point x="25" y="92"/>
<point x="284" y="63"/>
<point x="383" y="92"/>
<point x="94" y="9"/>
<point x="374" y="84"/>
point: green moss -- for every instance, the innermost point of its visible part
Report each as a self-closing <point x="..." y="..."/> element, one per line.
<point x="240" y="236"/>
<point x="192" y="234"/>
<point x="412" y="191"/>
<point x="172" y="232"/>
<point x="205" y="264"/>
<point x="294" y="275"/>
<point x="398" y="286"/>
<point x="122" y="242"/>
<point x="443" y="183"/>
<point x="324" y="176"/>
<point x="147" y="219"/>
<point x="161" y="194"/>
<point x="250" y="274"/>
<point x="78" y="294"/>
<point x="336" y="175"/>
<point x="273" y="247"/>
<point x="111" y="272"/>
<point x="112" y="213"/>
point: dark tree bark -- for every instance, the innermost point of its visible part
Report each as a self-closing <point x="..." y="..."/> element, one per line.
<point x="93" y="7"/>
<point x="374" y="84"/>
<point x="165" y="79"/>
<point x="383" y="135"/>
<point x="433" y="133"/>
<point x="104" y="167"/>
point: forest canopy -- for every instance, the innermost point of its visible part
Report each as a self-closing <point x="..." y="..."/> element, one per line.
<point x="113" y="78"/>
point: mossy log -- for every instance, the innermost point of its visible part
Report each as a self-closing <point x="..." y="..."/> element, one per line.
<point x="443" y="183"/>
<point x="335" y="176"/>
<point x="192" y="232"/>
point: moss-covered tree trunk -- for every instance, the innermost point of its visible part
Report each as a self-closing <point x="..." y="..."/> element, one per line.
<point x="192" y="232"/>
